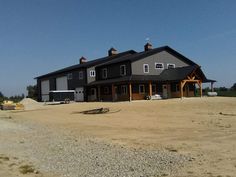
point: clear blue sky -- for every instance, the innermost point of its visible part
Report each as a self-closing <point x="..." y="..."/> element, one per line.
<point x="39" y="36"/>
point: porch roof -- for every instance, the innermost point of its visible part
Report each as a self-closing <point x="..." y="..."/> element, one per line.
<point x="173" y="74"/>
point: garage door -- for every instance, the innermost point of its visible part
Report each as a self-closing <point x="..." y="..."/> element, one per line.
<point x="61" y="83"/>
<point x="45" y="90"/>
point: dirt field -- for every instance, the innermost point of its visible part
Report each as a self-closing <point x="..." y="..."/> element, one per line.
<point x="203" y="128"/>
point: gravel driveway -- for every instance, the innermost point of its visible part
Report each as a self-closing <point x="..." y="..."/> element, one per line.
<point x="61" y="153"/>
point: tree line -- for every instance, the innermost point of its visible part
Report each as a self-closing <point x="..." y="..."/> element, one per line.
<point x="31" y="90"/>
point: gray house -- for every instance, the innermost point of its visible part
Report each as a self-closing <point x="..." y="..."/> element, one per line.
<point x="129" y="75"/>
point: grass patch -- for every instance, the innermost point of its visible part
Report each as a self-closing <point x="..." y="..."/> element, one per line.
<point x="24" y="169"/>
<point x="229" y="93"/>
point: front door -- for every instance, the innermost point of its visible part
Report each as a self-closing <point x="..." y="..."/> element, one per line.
<point x="93" y="94"/>
<point x="79" y="94"/>
<point x="164" y="91"/>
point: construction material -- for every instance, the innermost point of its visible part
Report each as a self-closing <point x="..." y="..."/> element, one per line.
<point x="96" y="111"/>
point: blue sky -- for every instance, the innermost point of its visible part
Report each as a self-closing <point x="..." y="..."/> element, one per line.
<point x="39" y="36"/>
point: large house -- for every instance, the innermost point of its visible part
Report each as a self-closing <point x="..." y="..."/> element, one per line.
<point x="129" y="75"/>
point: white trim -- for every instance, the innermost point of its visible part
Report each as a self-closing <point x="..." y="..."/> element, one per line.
<point x="123" y="74"/>
<point x="159" y="64"/>
<point x="92" y="73"/>
<point x="56" y="91"/>
<point x="140" y="89"/>
<point x="170" y="64"/>
<point x="103" y="71"/>
<point x="144" y="68"/>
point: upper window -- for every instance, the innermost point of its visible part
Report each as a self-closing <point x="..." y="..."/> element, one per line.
<point x="159" y="66"/>
<point x="81" y="75"/>
<point x="104" y="73"/>
<point x="170" y="65"/>
<point x="69" y="76"/>
<point x="124" y="89"/>
<point x="145" y="68"/>
<point x="122" y="70"/>
<point x="92" y="73"/>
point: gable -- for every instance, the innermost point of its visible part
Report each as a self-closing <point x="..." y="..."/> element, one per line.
<point x="162" y="57"/>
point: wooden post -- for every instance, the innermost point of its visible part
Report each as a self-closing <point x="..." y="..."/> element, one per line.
<point x="200" y="88"/>
<point x="130" y="92"/>
<point x="113" y="92"/>
<point x="181" y="89"/>
<point x="150" y="89"/>
<point x="99" y="93"/>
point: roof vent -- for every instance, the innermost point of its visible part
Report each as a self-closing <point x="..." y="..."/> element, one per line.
<point x="82" y="60"/>
<point x="148" y="47"/>
<point x="112" y="51"/>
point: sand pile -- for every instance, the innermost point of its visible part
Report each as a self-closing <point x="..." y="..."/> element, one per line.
<point x="30" y="104"/>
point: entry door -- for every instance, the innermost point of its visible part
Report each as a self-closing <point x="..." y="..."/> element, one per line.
<point x="93" y="94"/>
<point x="164" y="91"/>
<point x="79" y="94"/>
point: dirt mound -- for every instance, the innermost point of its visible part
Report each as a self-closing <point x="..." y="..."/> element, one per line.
<point x="30" y="104"/>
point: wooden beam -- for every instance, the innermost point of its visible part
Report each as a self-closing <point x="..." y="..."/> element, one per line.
<point x="200" y="88"/>
<point x="212" y="88"/>
<point x="181" y="89"/>
<point x="150" y="89"/>
<point x="130" y="92"/>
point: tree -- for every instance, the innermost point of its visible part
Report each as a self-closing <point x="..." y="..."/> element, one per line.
<point x="233" y="87"/>
<point x="32" y="91"/>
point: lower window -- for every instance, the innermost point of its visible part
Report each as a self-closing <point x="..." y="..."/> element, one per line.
<point x="141" y="89"/>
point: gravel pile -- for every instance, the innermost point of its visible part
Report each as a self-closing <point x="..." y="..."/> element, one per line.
<point x="60" y="152"/>
<point x="30" y="104"/>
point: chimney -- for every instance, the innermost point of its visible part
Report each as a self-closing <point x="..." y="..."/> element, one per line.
<point x="148" y="47"/>
<point x="82" y="60"/>
<point x="112" y="51"/>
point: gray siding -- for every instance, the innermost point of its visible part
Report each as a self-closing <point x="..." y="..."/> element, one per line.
<point x="162" y="57"/>
<point x="90" y="79"/>
<point x="113" y="71"/>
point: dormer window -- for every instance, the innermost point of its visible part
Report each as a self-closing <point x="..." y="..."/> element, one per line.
<point x="104" y="73"/>
<point x="159" y="66"/>
<point x="92" y="73"/>
<point x="145" y="68"/>
<point x="122" y="70"/>
<point x="170" y="65"/>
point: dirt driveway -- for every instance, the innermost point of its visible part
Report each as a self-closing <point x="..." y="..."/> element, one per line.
<point x="194" y="136"/>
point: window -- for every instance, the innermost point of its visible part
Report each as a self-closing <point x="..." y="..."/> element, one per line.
<point x="92" y="73"/>
<point x="159" y="66"/>
<point x="170" y="65"/>
<point x="124" y="89"/>
<point x="153" y="89"/>
<point x="69" y="76"/>
<point x="104" y="73"/>
<point x="145" y="68"/>
<point x="122" y="70"/>
<point x="106" y="90"/>
<point x="141" y="89"/>
<point x="177" y="88"/>
<point x="81" y="75"/>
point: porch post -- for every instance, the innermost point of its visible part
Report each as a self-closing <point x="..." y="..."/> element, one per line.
<point x="99" y="93"/>
<point x="130" y="92"/>
<point x="181" y="90"/>
<point x="200" y="84"/>
<point x="113" y="92"/>
<point x="212" y="88"/>
<point x="150" y="88"/>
